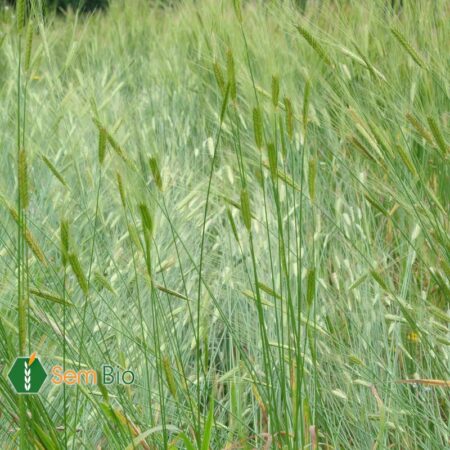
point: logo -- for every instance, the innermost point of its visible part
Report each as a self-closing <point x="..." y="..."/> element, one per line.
<point x="108" y="375"/>
<point x="27" y="375"/>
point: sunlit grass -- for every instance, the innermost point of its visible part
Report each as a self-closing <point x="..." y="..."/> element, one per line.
<point x="248" y="207"/>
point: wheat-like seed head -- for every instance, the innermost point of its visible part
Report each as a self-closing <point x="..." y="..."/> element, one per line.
<point x="231" y="75"/>
<point x="146" y="217"/>
<point x="64" y="237"/>
<point x="168" y="371"/>
<point x="101" y="144"/>
<point x="29" y="238"/>
<point x="289" y="117"/>
<point x="312" y="41"/>
<point x="273" y="160"/>
<point x="245" y="209"/>
<point x="258" y="127"/>
<point x="409" y="48"/>
<point x="78" y="271"/>
<point x="54" y="171"/>
<point x="154" y="167"/>
<point x="121" y="189"/>
<point x="438" y="137"/>
<point x="275" y="91"/>
<point x="238" y="10"/>
<point x="419" y="128"/>
<point x="29" y="45"/>
<point x="20" y="14"/>
<point x="232" y="224"/>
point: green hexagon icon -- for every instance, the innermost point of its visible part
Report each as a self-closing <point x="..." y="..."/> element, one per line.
<point x="27" y="375"/>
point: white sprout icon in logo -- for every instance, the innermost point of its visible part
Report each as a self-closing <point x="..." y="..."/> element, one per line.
<point x="27" y="376"/>
<point x="28" y="371"/>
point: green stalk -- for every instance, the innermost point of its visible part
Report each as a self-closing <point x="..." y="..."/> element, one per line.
<point x="21" y="283"/>
<point x="141" y="316"/>
<point x="202" y="246"/>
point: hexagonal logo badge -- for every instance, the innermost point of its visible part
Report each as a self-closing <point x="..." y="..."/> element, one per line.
<point x="27" y="374"/>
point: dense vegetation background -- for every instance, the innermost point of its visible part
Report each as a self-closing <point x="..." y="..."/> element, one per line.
<point x="64" y="5"/>
<point x="245" y="204"/>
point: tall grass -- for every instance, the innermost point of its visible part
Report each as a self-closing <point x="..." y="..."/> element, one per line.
<point x="246" y="204"/>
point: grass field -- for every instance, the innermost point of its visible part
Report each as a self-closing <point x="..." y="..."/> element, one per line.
<point x="247" y="206"/>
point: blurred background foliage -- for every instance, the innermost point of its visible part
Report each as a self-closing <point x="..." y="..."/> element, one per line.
<point x="62" y="5"/>
<point x="93" y="5"/>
